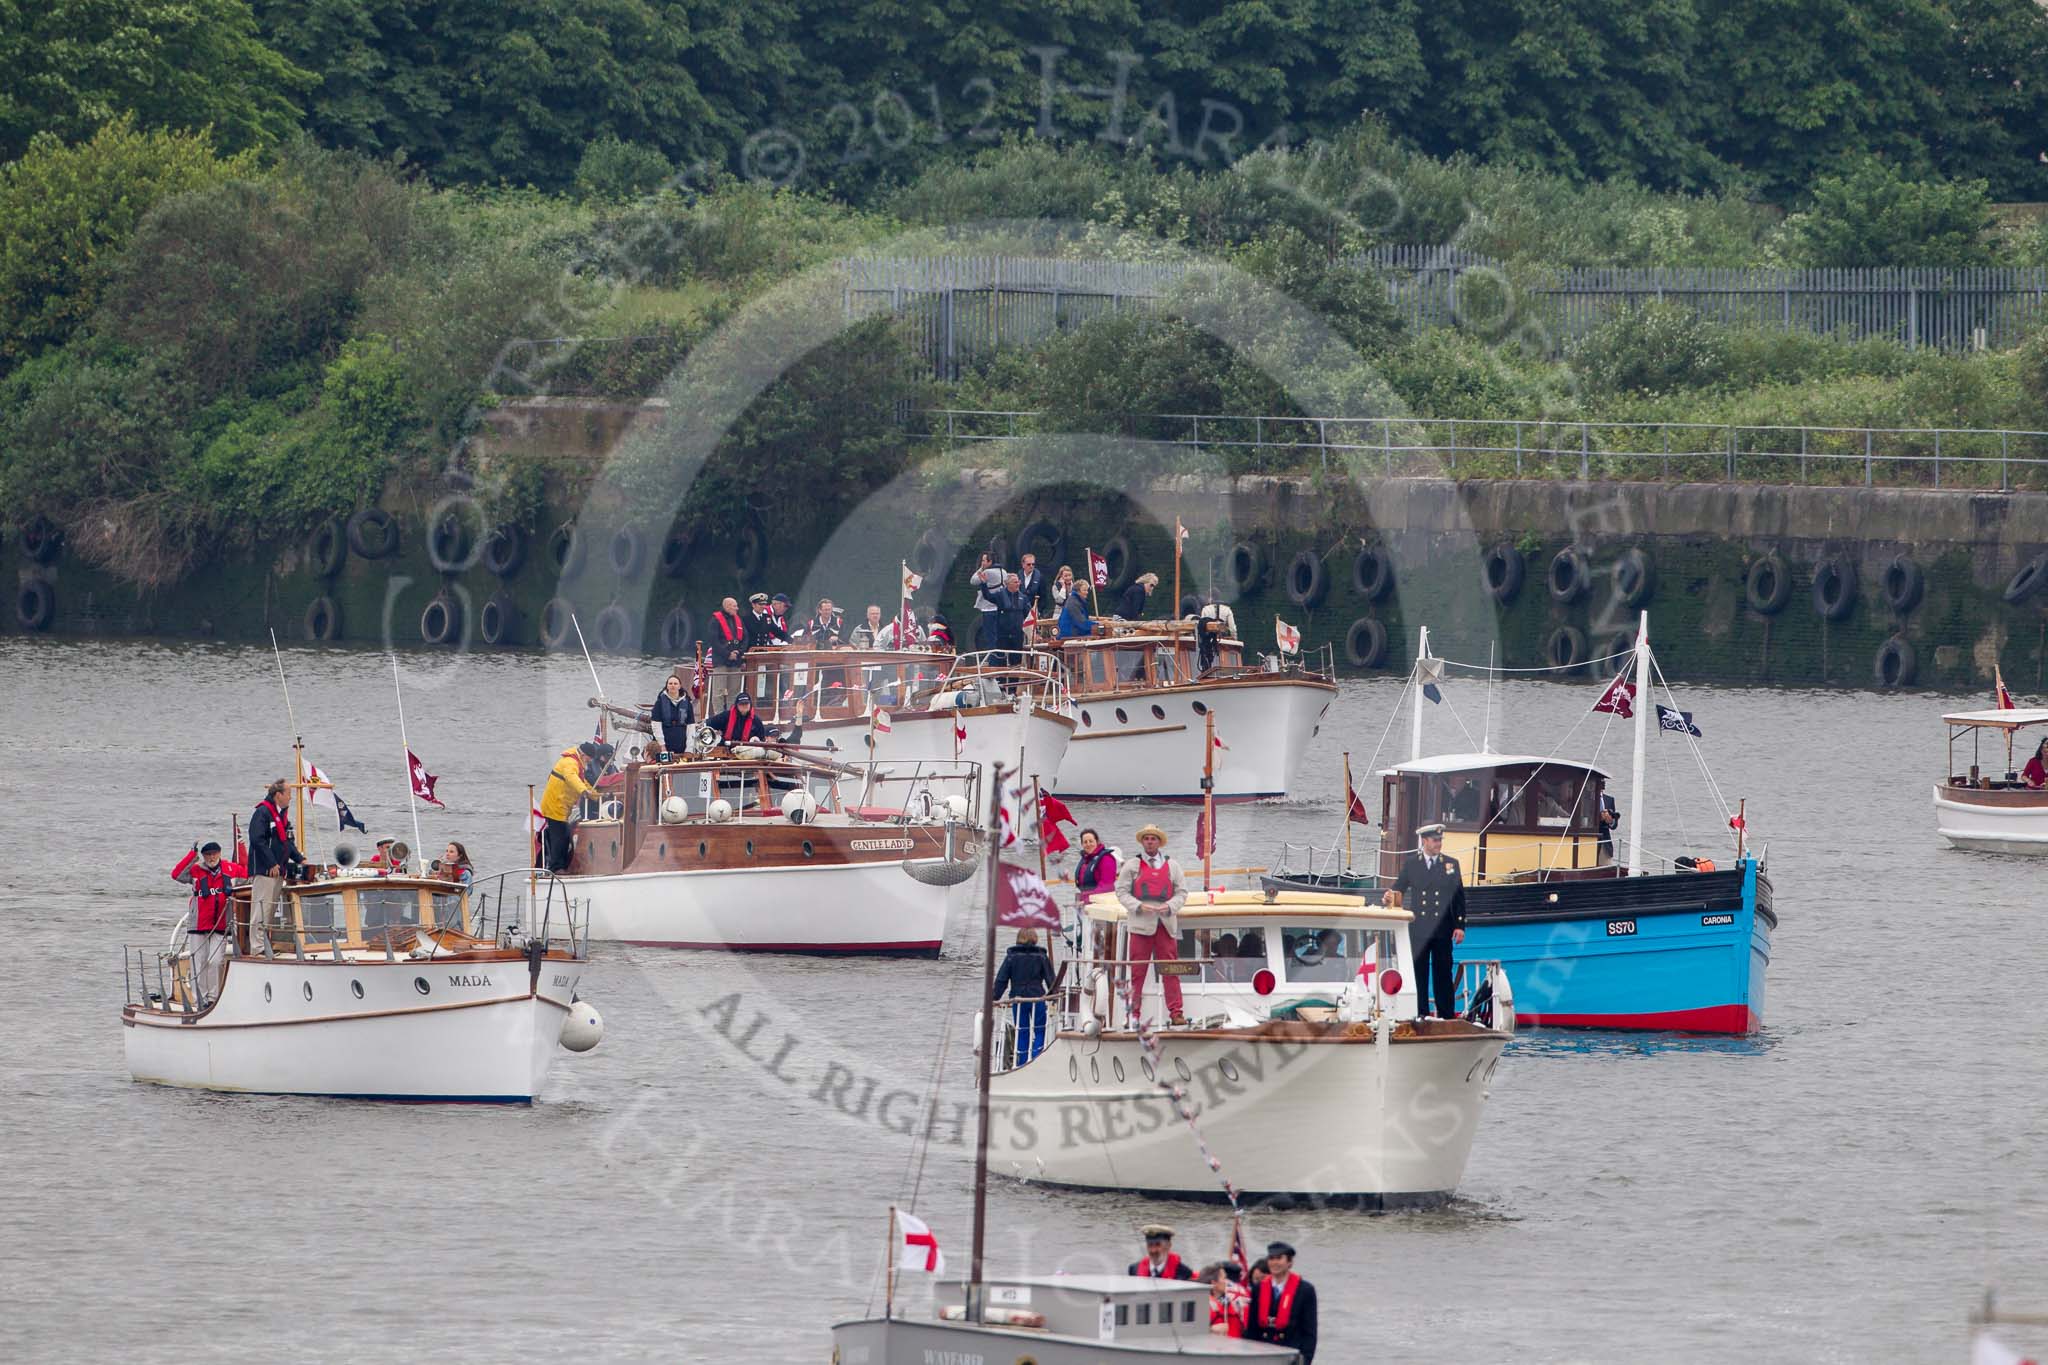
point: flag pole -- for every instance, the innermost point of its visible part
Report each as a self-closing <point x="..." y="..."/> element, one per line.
<point x="1208" y="792"/>
<point x="1347" y="811"/>
<point x="975" y="1292"/>
<point x="1415" y="732"/>
<point x="603" y="728"/>
<point x="1636" y="778"/>
<point x="889" y="1264"/>
<point x="1178" y="536"/>
<point x="418" y="844"/>
<point x="299" y="743"/>
<point x="532" y="837"/>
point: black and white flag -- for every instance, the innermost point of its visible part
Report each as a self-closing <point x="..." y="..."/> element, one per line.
<point x="1680" y="721"/>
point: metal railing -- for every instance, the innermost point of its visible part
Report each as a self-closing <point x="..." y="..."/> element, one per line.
<point x="1933" y="457"/>
<point x="526" y="905"/>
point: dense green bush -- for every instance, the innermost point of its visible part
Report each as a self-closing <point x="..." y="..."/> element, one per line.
<point x="614" y="169"/>
<point x="1875" y="215"/>
<point x="1655" y="348"/>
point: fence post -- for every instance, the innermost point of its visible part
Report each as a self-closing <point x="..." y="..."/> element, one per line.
<point x="1518" y="447"/>
<point x="1387" y="444"/>
<point x="1323" y="440"/>
<point x="1731" y="454"/>
<point x="1804" y="477"/>
<point x="1913" y="326"/>
<point x="2004" y="455"/>
<point x="1584" y="471"/>
<point x="1867" y="435"/>
<point x="1937" y="457"/>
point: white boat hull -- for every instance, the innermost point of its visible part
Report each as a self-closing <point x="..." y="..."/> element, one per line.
<point x="994" y="735"/>
<point x="1149" y="744"/>
<point x="478" y="1033"/>
<point x="1991" y="829"/>
<point x="1290" y="1120"/>
<point x="869" y="907"/>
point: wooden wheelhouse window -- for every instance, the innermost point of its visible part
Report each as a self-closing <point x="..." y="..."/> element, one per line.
<point x="381" y="907"/>
<point x="1098" y="667"/>
<point x="1164" y="666"/>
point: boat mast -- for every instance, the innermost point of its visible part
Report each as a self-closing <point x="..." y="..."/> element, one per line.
<point x="1415" y="685"/>
<point x="1208" y="792"/>
<point x="1636" y="775"/>
<point x="1347" y="810"/>
<point x="983" y="1060"/>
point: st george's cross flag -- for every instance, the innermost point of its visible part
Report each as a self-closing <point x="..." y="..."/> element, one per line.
<point x="917" y="1248"/>
<point x="2001" y="699"/>
<point x="1619" y="698"/>
<point x="422" y="780"/>
<point x="1286" y="636"/>
<point x="1678" y="721"/>
<point x="882" y="722"/>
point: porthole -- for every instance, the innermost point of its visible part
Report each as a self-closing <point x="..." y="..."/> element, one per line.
<point x="1180" y="1064"/>
<point x="1145" y="1065"/>
<point x="701" y="850"/>
<point x="1122" y="718"/>
<point x="1073" y="1063"/>
<point x="1094" y="1070"/>
<point x="807" y="848"/>
<point x="419" y="983"/>
<point x="662" y="849"/>
<point x="266" y="992"/>
<point x="1087" y="719"/>
<point x="750" y="848"/>
<point x="615" y="848"/>
<point x="1158" y="711"/>
<point x="306" y="989"/>
<point x="1228" y="1068"/>
<point x="1116" y="1064"/>
<point x="1201" y="708"/>
<point x="356" y="989"/>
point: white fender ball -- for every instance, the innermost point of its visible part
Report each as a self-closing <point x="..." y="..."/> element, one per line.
<point x="674" y="810"/>
<point x="582" y="1028"/>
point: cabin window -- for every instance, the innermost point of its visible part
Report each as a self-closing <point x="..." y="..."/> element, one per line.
<point x="320" y="912"/>
<point x="1463" y="800"/>
<point x="1098" y="667"/>
<point x="1511" y="804"/>
<point x="447" y="910"/>
<point x="647" y="802"/>
<point x="1320" y="953"/>
<point x="1163" y="661"/>
<point x="1144" y="1315"/>
<point x="1130" y="665"/>
<point x="1232" y="656"/>
<point x="1187" y="1310"/>
<point x="1556" y="799"/>
<point x="387" y="907"/>
<point x="1123" y="1315"/>
<point x="1233" y="955"/>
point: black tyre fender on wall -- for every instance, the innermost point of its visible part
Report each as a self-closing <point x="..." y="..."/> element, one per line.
<point x="1834" y="587"/>
<point x="628" y="549"/>
<point x="1902" y="584"/>
<point x="1635" y="577"/>
<point x="1767" y="587"/>
<point x="567" y="551"/>
<point x="497" y="623"/>
<point x="448" y="542"/>
<point x="615" y="631"/>
<point x="557" y="622"/>
<point x="750" y="553"/>
<point x="41" y="540"/>
<point x="1308" y="580"/>
<point x="327" y="549"/>
<point x="1501" y="570"/>
<point x="1043" y="539"/>
<point x="323" y="619"/>
<point x="1121" y="564"/>
<point x="1365" y="644"/>
<point x="678" y="629"/>
<point x="441" y="620"/>
<point x="1372" y="573"/>
<point x="1897" y="663"/>
<point x="676" y="548"/>
<point x="35" y="604"/>
<point x="504" y="551"/>
<point x="1566" y="648"/>
<point x="1244" y="568"/>
<point x="2028" y="581"/>
<point x="924" y="556"/>
<point x="372" y="533"/>
<point x="1619" y="643"/>
<point x="1568" y="576"/>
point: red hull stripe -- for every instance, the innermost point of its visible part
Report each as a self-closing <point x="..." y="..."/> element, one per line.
<point x="931" y="946"/>
<point x="1712" y="1019"/>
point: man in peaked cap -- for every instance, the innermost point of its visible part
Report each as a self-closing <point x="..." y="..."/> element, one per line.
<point x="764" y="627"/>
<point x="1284" y="1309"/>
<point x="1160" y="1262"/>
<point x="1433" y="890"/>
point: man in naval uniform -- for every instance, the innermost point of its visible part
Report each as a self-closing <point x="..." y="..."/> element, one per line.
<point x="1433" y="889"/>
<point x="1160" y="1263"/>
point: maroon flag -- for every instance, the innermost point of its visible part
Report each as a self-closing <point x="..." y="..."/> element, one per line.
<point x="1619" y="698"/>
<point x="422" y="780"/>
<point x="702" y="677"/>
<point x="1358" y="814"/>
<point x="2001" y="699"/>
<point x="1023" y="900"/>
<point x="1205" y="835"/>
<point x="1098" y="570"/>
<point x="1051" y="813"/>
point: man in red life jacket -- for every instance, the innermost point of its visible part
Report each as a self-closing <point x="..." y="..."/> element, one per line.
<point x="1153" y="890"/>
<point x="738" y="724"/>
<point x="1160" y="1262"/>
<point x="1284" y="1309"/>
<point x="211" y="878"/>
<point x="273" y="857"/>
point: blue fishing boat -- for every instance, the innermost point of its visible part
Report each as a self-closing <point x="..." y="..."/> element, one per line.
<point x="1589" y="940"/>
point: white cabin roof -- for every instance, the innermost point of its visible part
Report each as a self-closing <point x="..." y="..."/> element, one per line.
<point x="1253" y="906"/>
<point x="1459" y="763"/>
<point x="2010" y="719"/>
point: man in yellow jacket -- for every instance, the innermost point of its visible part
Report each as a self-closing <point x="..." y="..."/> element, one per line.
<point x="567" y="785"/>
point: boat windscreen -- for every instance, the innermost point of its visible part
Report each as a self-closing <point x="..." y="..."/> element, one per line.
<point x="1318" y="953"/>
<point x="393" y="907"/>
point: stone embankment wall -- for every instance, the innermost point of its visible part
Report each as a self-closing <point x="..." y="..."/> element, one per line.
<point x="1744" y="583"/>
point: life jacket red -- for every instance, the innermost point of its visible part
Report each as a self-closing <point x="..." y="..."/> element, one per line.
<point x="1266" y="1312"/>
<point x="279" y="824"/>
<point x="211" y="889"/>
<point x="732" y="724"/>
<point x="1153" y="885"/>
<point x="1171" y="1271"/>
<point x="730" y="627"/>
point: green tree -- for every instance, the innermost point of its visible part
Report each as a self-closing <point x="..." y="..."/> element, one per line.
<point x="67" y="210"/>
<point x="1875" y="216"/>
<point x="73" y="65"/>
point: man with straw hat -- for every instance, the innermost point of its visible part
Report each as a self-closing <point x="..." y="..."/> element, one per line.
<point x="1153" y="890"/>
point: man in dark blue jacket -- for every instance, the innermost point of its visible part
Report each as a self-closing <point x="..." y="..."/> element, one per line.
<point x="1012" y="606"/>
<point x="1026" y="975"/>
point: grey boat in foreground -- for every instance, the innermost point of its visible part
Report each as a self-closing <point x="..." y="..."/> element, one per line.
<point x="1054" y="1320"/>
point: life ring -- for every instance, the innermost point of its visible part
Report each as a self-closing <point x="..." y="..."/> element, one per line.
<point x="2028" y="580"/>
<point x="41" y="540"/>
<point x="328" y="548"/>
<point x="323" y="619"/>
<point x="678" y="628"/>
<point x="1834" y="587"/>
<point x="1365" y="644"/>
<point x="1121" y="563"/>
<point x="1902" y="584"/>
<point x="924" y="556"/>
<point x="504" y="551"/>
<point x="1372" y="573"/>
<point x="1501" y="570"/>
<point x="35" y="604"/>
<point x="448" y="542"/>
<point x="1635" y="577"/>
<point x="441" y="620"/>
<point x="1568" y="576"/>
<point x="498" y="622"/>
<point x="1768" y="586"/>
<point x="750" y="553"/>
<point x="567" y="551"/>
<point x="675" y="550"/>
<point x="1308" y="580"/>
<point x="1897" y="663"/>
<point x="628" y="549"/>
<point x="615" y="632"/>
<point x="372" y="533"/>
<point x="1566" y="648"/>
<point x="557" y="622"/>
<point x="1048" y="535"/>
<point x="1244" y="568"/>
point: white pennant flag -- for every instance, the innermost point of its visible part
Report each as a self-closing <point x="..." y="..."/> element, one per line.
<point x="916" y="1246"/>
